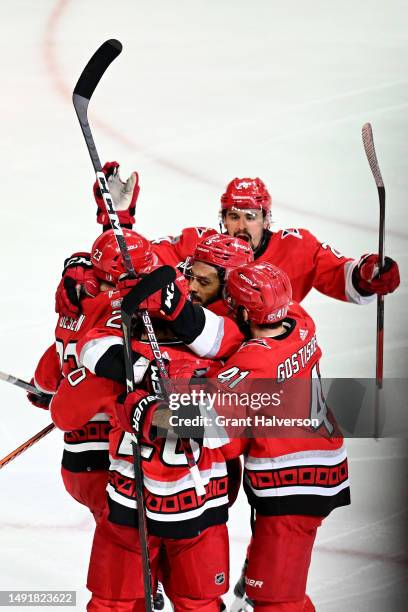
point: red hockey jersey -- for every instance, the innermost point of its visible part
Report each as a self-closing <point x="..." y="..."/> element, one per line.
<point x="219" y="338"/>
<point x="308" y="262"/>
<point x="172" y="506"/>
<point x="297" y="469"/>
<point x="174" y="250"/>
<point x="85" y="449"/>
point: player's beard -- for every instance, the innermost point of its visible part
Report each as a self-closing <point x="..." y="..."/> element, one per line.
<point x="245" y="235"/>
<point x="195" y="298"/>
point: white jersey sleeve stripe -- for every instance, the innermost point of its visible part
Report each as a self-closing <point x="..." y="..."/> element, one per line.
<point x="208" y="343"/>
<point x="93" y="350"/>
<point x="352" y="294"/>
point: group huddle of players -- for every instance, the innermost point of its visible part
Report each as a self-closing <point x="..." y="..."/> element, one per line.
<point x="233" y="317"/>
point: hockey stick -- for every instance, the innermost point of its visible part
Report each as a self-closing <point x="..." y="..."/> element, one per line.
<point x="128" y="306"/>
<point x="369" y="148"/>
<point x="82" y="94"/>
<point x="87" y="82"/>
<point x="19" y="383"/>
<point x="26" y="445"/>
<point x="368" y="142"/>
<point x="83" y="91"/>
<point x="155" y="281"/>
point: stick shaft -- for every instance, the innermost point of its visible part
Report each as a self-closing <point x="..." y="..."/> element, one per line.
<point x="18" y="382"/>
<point x="81" y="108"/>
<point x="26" y="445"/>
<point x="368" y="142"/>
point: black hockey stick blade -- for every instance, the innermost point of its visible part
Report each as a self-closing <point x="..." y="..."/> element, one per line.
<point x="151" y="283"/>
<point x="95" y="68"/>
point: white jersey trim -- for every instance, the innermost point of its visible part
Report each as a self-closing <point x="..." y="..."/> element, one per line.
<point x="100" y="416"/>
<point x="161" y="487"/>
<point x="81" y="447"/>
<point x="279" y="491"/>
<point x="93" y="350"/>
<point x="165" y="518"/>
<point x="214" y="502"/>
<point x="352" y="294"/>
<point x="303" y="458"/>
<point x="208" y="343"/>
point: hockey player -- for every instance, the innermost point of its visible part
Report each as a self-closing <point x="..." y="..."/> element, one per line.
<point x="183" y="528"/>
<point x="293" y="482"/>
<point x="207" y="270"/>
<point x="85" y="460"/>
<point x="245" y="213"/>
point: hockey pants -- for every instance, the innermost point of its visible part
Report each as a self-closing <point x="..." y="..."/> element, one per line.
<point x="194" y="571"/>
<point x="278" y="562"/>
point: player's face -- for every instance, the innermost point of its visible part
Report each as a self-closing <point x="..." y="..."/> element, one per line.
<point x="204" y="283"/>
<point x="248" y="225"/>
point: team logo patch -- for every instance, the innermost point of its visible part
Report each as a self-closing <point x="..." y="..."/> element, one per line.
<point x="291" y="232"/>
<point x="219" y="578"/>
<point x="303" y="333"/>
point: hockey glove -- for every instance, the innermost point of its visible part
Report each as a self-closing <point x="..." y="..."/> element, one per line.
<point x="78" y="278"/>
<point x="134" y="411"/>
<point x="367" y="279"/>
<point x="124" y="196"/>
<point x="183" y="374"/>
<point x="166" y="303"/>
<point x="185" y="377"/>
<point x="40" y="400"/>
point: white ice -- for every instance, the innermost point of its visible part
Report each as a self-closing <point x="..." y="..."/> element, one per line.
<point x="204" y="90"/>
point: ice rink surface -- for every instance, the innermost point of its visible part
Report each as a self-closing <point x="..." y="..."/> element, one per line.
<point x="204" y="90"/>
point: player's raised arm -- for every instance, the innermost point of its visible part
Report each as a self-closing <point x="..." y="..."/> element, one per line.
<point x="343" y="278"/>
